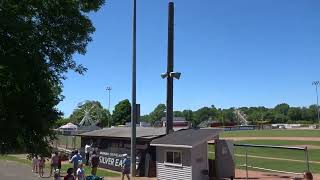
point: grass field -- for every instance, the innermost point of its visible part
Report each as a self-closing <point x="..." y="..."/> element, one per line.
<point x="285" y="160"/>
<point x="272" y="133"/>
<point x="280" y="142"/>
<point x="100" y="172"/>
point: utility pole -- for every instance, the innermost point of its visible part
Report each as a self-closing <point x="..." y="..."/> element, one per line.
<point x="109" y="89"/>
<point x="316" y="83"/>
<point x="170" y="69"/>
<point x="133" y="108"/>
<point x="170" y="74"/>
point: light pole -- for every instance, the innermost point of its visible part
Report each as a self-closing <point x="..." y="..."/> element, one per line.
<point x="133" y="108"/>
<point x="316" y="83"/>
<point x="109" y="89"/>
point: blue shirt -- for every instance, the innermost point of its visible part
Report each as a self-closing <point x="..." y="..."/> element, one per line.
<point x="75" y="159"/>
<point x="126" y="163"/>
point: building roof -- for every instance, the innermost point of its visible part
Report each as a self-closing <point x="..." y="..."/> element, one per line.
<point x="125" y="132"/>
<point x="186" y="138"/>
<point x="175" y="119"/>
<point x="88" y="128"/>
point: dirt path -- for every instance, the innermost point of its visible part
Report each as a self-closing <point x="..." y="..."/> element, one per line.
<point x="274" y="138"/>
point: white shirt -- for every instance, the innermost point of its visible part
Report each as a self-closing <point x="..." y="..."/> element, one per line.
<point x="80" y="174"/>
<point x="87" y="148"/>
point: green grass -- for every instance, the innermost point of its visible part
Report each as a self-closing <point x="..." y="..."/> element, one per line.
<point x="100" y="172"/>
<point x="281" y="165"/>
<point x="279" y="142"/>
<point x="13" y="158"/>
<point x="297" y="167"/>
<point x="272" y="133"/>
<point x="314" y="154"/>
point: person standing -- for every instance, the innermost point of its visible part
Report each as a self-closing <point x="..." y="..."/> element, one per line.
<point x="69" y="175"/>
<point x="80" y="172"/>
<point x="35" y="164"/>
<point x="75" y="159"/>
<point x="42" y="162"/>
<point x="54" y="162"/>
<point x="94" y="163"/>
<point x="87" y="150"/>
<point x="126" y="167"/>
<point x="59" y="161"/>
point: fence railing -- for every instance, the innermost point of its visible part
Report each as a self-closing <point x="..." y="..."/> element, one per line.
<point x="67" y="142"/>
<point x="246" y="165"/>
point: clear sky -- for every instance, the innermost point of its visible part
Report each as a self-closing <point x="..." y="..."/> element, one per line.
<point x="231" y="53"/>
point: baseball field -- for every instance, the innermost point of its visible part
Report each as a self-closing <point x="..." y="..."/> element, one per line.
<point x="276" y="159"/>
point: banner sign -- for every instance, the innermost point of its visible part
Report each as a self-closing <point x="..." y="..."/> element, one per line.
<point x="113" y="161"/>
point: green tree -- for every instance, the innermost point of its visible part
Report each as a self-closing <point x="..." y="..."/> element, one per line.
<point x="96" y="111"/>
<point x="177" y="114"/>
<point x="145" y="118"/>
<point x="38" y="40"/>
<point x="188" y="114"/>
<point x="61" y="122"/>
<point x="157" y="113"/>
<point x="121" y="113"/>
<point x="294" y="114"/>
<point x="282" y="108"/>
<point x="202" y="114"/>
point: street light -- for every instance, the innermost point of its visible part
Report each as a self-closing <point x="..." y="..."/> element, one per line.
<point x="109" y="89"/>
<point x="134" y="82"/>
<point x="316" y="83"/>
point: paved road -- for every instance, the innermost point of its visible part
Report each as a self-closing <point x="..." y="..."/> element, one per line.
<point x="10" y="170"/>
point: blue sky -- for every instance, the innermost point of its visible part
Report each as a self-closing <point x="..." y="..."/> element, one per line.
<point x="231" y="53"/>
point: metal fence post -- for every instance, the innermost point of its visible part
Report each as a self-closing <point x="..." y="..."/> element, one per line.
<point x="247" y="163"/>
<point x="307" y="158"/>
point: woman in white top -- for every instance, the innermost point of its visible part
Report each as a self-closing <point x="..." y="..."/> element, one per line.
<point x="35" y="164"/>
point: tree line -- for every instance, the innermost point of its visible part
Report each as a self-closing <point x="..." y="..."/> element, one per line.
<point x="281" y="113"/>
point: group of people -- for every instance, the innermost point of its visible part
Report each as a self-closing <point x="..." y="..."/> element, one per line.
<point x="77" y="172"/>
<point x="38" y="164"/>
<point x="77" y="161"/>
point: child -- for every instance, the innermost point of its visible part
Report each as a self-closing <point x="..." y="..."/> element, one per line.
<point x="35" y="164"/>
<point x="80" y="172"/>
<point x="69" y="176"/>
<point x="42" y="162"/>
<point x="56" y="175"/>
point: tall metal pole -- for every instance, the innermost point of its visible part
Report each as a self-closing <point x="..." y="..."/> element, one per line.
<point x="169" y="113"/>
<point x="316" y="83"/>
<point x="133" y="108"/>
<point x="109" y="89"/>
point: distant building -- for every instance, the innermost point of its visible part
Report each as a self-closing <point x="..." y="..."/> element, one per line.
<point x="179" y="122"/>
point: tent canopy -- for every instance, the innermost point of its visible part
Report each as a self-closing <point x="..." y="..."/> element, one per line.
<point x="69" y="126"/>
